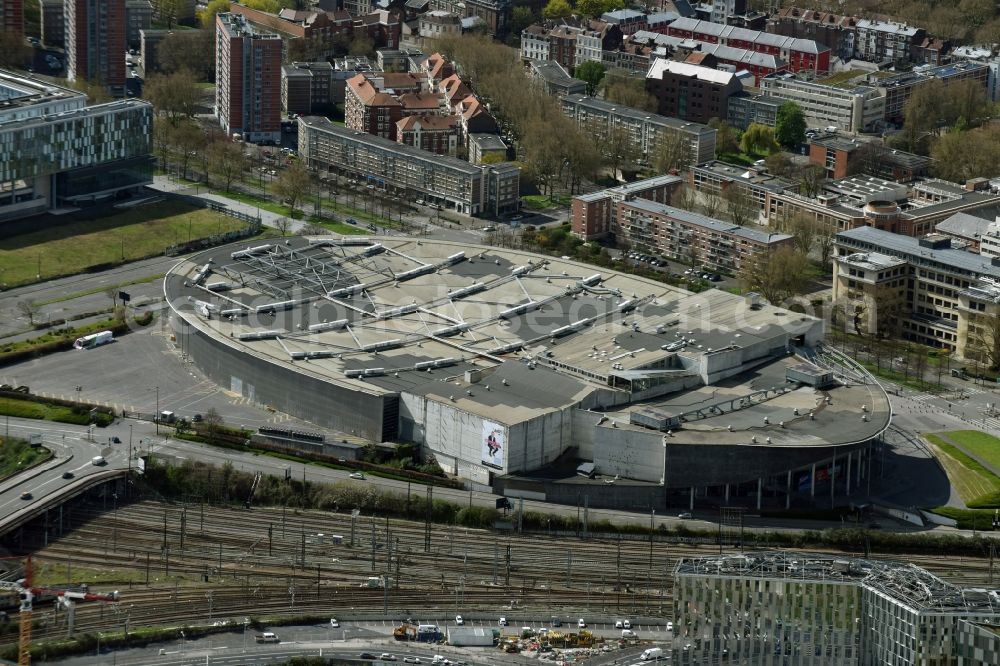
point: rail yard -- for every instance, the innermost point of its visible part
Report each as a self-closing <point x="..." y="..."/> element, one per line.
<point x="194" y="564"/>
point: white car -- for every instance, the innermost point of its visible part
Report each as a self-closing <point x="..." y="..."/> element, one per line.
<point x="581" y="623"/>
<point x="411" y="660"/>
<point x="385" y="656"/>
<point x="334" y="624"/>
<point x="503" y="622"/>
<point x="459" y="621"/>
<point x="357" y="475"/>
<point x="619" y="624"/>
<point x="670" y="626"/>
<point x="627" y="624"/>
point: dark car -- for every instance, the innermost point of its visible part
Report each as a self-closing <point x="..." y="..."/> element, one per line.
<point x="26" y="495"/>
<point x="116" y="440"/>
<point x="68" y="474"/>
<point x="367" y="655"/>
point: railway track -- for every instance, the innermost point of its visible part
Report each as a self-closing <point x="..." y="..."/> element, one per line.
<point x="188" y="564"/>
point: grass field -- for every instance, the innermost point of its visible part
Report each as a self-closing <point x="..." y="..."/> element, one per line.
<point x="976" y="485"/>
<point x="17" y="455"/>
<point x="123" y="235"/>
<point x="983" y="446"/>
<point x="543" y="202"/>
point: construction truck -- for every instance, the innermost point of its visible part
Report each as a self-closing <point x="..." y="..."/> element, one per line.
<point x="405" y="632"/>
<point x="510" y="646"/>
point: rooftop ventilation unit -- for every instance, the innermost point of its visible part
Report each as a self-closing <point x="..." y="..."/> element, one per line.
<point x="261" y="335"/>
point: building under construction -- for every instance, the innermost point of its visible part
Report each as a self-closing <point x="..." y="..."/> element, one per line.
<point x="806" y="609"/>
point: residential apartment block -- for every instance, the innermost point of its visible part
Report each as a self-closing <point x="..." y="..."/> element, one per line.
<point x="53" y="15"/>
<point x="248" y="79"/>
<point x="55" y="151"/>
<point x="937" y="295"/>
<point x="438" y="23"/>
<point x="691" y="238"/>
<point x="773" y="608"/>
<point x="912" y="209"/>
<point x="833" y="30"/>
<point x="95" y="43"/>
<point x="645" y="129"/>
<point x="885" y="41"/>
<point x="802" y="55"/>
<point x="138" y="17"/>
<point x="436" y="134"/>
<point x="554" y="78"/>
<point x="593" y="215"/>
<point x="12" y="15"/>
<point x="409" y="172"/>
<point x="306" y="87"/>
<point x="495" y="14"/>
<point x="899" y="87"/>
<point x="745" y="109"/>
<point x="691" y="92"/>
<point x="149" y="46"/>
<point x="368" y="109"/>
<point x="627" y="20"/>
<point x="859" y="109"/>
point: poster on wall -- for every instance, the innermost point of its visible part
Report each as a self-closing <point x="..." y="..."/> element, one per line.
<point x="493" y="445"/>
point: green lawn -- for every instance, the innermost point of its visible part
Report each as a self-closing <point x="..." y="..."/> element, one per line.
<point x="544" y="202"/>
<point x="17" y="455"/>
<point x="98" y="290"/>
<point x="983" y="446"/>
<point x="740" y="159"/>
<point x="120" y="236"/>
<point x="900" y="378"/>
<point x="339" y="227"/>
<point x="845" y="79"/>
<point x="976" y="485"/>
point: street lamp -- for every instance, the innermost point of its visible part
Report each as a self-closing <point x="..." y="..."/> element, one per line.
<point x="156" y="416"/>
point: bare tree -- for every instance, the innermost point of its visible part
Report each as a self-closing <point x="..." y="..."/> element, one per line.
<point x="684" y="197"/>
<point x="292" y="185"/>
<point x="984" y="333"/>
<point x="741" y="206"/>
<point x="672" y="153"/>
<point x="283" y="224"/>
<point x="776" y="274"/>
<point x="29" y="309"/>
<point x="226" y="159"/>
<point x="211" y="424"/>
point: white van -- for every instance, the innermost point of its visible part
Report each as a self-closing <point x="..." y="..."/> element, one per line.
<point x="98" y="460"/>
<point x="651" y="654"/>
<point x="628" y="633"/>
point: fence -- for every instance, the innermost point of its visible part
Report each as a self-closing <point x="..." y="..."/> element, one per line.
<point x="253" y="228"/>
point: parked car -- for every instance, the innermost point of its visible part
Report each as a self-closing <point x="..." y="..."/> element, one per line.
<point x="685" y="516"/>
<point x="334" y="624"/>
<point x="459" y="621"/>
<point x="360" y="476"/>
<point x="581" y="623"/>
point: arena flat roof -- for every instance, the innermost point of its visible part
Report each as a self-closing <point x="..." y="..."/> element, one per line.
<point x="388" y="314"/>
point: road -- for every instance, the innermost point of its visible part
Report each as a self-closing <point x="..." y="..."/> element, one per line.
<point x="346" y="642"/>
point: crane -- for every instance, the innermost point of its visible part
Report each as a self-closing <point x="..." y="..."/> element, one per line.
<point x="28" y="592"/>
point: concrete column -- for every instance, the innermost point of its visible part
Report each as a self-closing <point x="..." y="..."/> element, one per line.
<point x="833" y="477"/>
<point x="812" y="481"/>
<point x="760" y="488"/>
<point x="691" y="504"/>
<point x="788" y="491"/>
<point x="727" y="493"/>
<point x="861" y="461"/>
<point x="848" y="477"/>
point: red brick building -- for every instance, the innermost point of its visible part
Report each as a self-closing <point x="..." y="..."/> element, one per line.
<point x="12" y="15"/>
<point x="95" y="43"/>
<point x="248" y="79"/>
<point x="369" y="110"/>
<point x="593" y="214"/>
<point x="800" y="54"/>
<point x="691" y="92"/>
<point x="437" y="134"/>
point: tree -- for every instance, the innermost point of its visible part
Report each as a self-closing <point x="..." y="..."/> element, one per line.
<point x="557" y="9"/>
<point x="13" y="50"/>
<point x="283" y="224"/>
<point x="292" y="185"/>
<point x="868" y="159"/>
<point x="617" y="147"/>
<point x="312" y="49"/>
<point x="672" y="152"/>
<point x="595" y="8"/>
<point x="811" y="179"/>
<point x="167" y="11"/>
<point x="162" y="140"/>
<point x="226" y="160"/>
<point x="29" y="309"/>
<point x="520" y="18"/>
<point x="174" y="95"/>
<point x="684" y="198"/>
<point x="925" y="112"/>
<point x="740" y="204"/>
<point x="211" y="424"/>
<point x="790" y="125"/>
<point x="959" y="156"/>
<point x="191" y="50"/>
<point x="758" y="140"/>
<point x="824" y="244"/>
<point x="984" y="333"/>
<point x="630" y="92"/>
<point x="362" y="45"/>
<point x="725" y="137"/>
<point x="780" y="164"/>
<point x="187" y="139"/>
<point x="885" y="310"/>
<point x="211" y="9"/>
<point x="592" y="72"/>
<point x="803" y="231"/>
<point x="776" y="274"/>
<point x="95" y="92"/>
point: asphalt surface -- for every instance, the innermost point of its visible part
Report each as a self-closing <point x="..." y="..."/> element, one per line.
<point x="346" y="642"/>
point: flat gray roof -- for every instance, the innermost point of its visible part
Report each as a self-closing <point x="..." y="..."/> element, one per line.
<point x="708" y="222"/>
<point x="629" y="112"/>
<point x="909" y="248"/>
